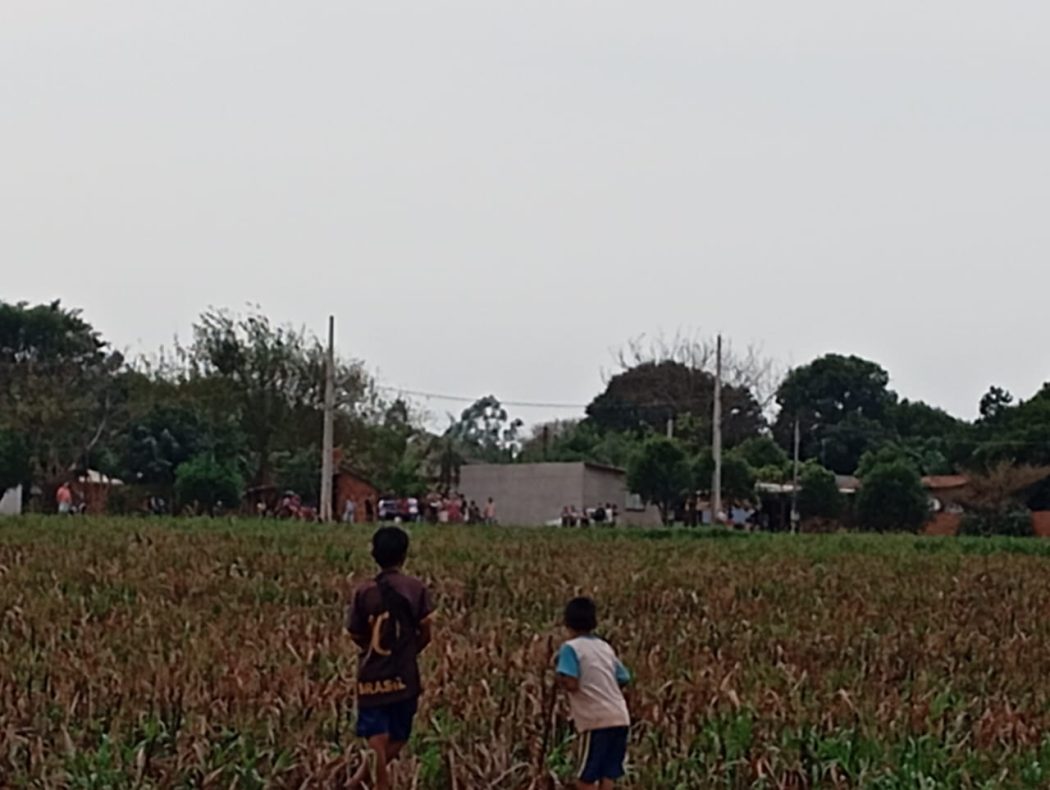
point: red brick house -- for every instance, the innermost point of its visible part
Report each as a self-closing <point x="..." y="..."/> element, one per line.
<point x="349" y="485"/>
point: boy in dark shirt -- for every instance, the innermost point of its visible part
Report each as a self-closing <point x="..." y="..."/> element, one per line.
<point x="389" y="619"/>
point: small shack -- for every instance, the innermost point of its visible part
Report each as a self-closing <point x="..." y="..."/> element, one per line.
<point x="535" y="494"/>
<point x="349" y="485"/>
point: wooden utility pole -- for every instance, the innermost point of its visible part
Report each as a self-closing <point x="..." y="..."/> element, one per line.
<point x="794" y="485"/>
<point x="716" y="437"/>
<point x="328" y="439"/>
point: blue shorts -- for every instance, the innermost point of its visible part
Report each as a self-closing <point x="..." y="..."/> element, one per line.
<point x="602" y="754"/>
<point x="394" y="720"/>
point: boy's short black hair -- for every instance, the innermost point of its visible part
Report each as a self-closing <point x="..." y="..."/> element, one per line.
<point x="389" y="546"/>
<point x="581" y="615"/>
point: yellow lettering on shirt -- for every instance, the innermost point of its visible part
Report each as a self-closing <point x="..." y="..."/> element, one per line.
<point x="373" y="688"/>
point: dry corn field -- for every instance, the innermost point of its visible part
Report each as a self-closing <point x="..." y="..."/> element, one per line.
<point x="210" y="654"/>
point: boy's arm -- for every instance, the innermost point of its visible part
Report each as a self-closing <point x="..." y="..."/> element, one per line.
<point x="426" y="632"/>
<point x="623" y="675"/>
<point x="357" y="623"/>
<point x="568" y="669"/>
<point x="426" y="620"/>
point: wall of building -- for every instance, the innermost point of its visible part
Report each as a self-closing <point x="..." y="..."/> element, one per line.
<point x="535" y="494"/>
<point x="11" y="502"/>
<point x="601" y="486"/>
<point x="347" y="486"/>
<point x="525" y="494"/>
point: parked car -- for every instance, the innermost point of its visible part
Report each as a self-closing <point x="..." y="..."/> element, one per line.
<point x="405" y="509"/>
<point x="388" y="509"/>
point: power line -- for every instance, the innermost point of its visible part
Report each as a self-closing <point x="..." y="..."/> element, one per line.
<point x="464" y="399"/>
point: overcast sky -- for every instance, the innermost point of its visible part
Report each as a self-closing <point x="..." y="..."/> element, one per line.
<point x="491" y="196"/>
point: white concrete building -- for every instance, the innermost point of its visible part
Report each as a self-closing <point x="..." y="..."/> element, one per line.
<point x="534" y="494"/>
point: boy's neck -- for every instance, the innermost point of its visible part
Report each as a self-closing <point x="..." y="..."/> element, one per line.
<point x="391" y="569"/>
<point x="577" y="634"/>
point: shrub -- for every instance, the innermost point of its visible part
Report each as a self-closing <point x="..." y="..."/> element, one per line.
<point x="761" y="451"/>
<point x="14" y="461"/>
<point x="1016" y="522"/>
<point x="207" y="482"/>
<point x="659" y="473"/>
<point x="819" y="495"/>
<point x="891" y="498"/>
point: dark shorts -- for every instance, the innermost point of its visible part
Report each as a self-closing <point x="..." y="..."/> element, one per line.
<point x="394" y="720"/>
<point x="602" y="754"/>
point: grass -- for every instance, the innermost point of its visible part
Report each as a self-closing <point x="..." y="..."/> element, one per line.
<point x="140" y="653"/>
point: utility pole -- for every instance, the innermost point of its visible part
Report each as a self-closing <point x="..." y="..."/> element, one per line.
<point x="328" y="439"/>
<point x="670" y="426"/>
<point x="716" y="438"/>
<point x="794" y="485"/>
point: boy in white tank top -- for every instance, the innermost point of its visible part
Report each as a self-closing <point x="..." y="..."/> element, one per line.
<point x="594" y="677"/>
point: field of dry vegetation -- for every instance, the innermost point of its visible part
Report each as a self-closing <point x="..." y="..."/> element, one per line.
<point x="210" y="654"/>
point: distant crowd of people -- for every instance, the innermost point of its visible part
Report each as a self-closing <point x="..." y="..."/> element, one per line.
<point x="435" y="508"/>
<point x="602" y="515"/>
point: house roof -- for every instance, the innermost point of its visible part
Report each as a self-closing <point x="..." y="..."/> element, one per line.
<point x="945" y="482"/>
<point x="95" y="477"/>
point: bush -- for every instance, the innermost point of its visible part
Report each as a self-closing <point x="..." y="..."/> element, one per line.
<point x="14" y="461"/>
<point x="819" y="495"/>
<point x="206" y="482"/>
<point x="892" y="498"/>
<point x="660" y="474"/>
<point x="738" y="478"/>
<point x="761" y="451"/>
<point x="1016" y="522"/>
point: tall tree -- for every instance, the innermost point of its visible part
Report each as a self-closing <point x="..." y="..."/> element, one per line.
<point x="646" y="396"/>
<point x="59" y="387"/>
<point x="844" y="408"/>
<point x="892" y="499"/>
<point x="660" y="474"/>
<point x="14" y="461"/>
<point x="487" y="432"/>
<point x="273" y="379"/>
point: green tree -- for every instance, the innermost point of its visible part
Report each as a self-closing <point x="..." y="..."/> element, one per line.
<point x="272" y="378"/>
<point x="994" y="403"/>
<point x="819" y="495"/>
<point x="14" y="461"/>
<point x="487" y="432"/>
<point x="60" y="388"/>
<point x="918" y="420"/>
<point x="168" y="434"/>
<point x="888" y="453"/>
<point x="579" y="440"/>
<point x="660" y="474"/>
<point x="892" y="498"/>
<point x="995" y="499"/>
<point x="1013" y="432"/>
<point x="761" y="451"/>
<point x="207" y="483"/>
<point x="644" y="397"/>
<point x="738" y="478"/>
<point x="844" y="408"/>
<point x="300" y="471"/>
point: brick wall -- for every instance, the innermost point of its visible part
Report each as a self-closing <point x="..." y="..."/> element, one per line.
<point x="347" y="486"/>
<point x="1041" y="523"/>
<point x="944" y="525"/>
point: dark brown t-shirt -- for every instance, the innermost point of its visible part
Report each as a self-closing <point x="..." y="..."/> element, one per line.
<point x="387" y="611"/>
